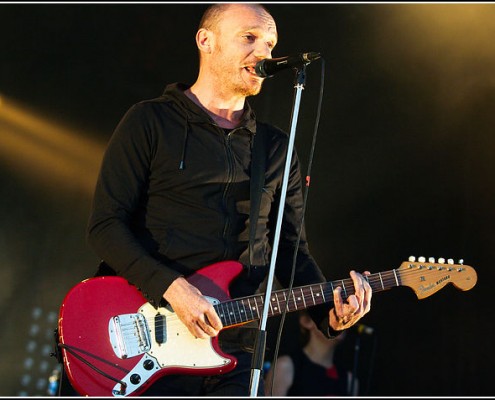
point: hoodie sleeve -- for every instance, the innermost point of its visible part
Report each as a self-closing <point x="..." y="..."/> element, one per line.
<point x="122" y="179"/>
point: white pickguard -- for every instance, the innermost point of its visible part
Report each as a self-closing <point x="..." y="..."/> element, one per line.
<point x="179" y="349"/>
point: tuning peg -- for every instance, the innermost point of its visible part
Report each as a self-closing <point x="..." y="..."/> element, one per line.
<point x="421" y="259"/>
<point x="461" y="261"/>
<point x="441" y="260"/>
<point x="431" y="260"/>
<point x="450" y="261"/>
<point x="412" y="258"/>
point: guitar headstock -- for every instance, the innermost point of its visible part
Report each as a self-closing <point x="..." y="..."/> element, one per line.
<point x="426" y="277"/>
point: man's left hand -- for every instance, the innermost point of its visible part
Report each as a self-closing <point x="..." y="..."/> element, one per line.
<point x="345" y="314"/>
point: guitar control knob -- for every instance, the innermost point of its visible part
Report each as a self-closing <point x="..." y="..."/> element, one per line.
<point x="148" y="365"/>
<point x="135" y="379"/>
<point x="431" y="260"/>
<point x="450" y="261"/>
<point x="441" y="260"/>
<point x="421" y="259"/>
<point x="461" y="261"/>
<point x="412" y="258"/>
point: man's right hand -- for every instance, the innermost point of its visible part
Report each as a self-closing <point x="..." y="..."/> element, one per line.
<point x="193" y="309"/>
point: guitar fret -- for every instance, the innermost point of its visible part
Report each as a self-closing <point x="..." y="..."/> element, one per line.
<point x="240" y="313"/>
<point x="381" y="280"/>
<point x="245" y="311"/>
<point x="323" y="292"/>
<point x="304" y="300"/>
<point x="295" y="301"/>
<point x="218" y="308"/>
<point x="278" y="303"/>
<point x="257" y="306"/>
<point x="232" y="313"/>
<point x="286" y="303"/>
<point x="224" y="314"/>
<point x="312" y="294"/>
<point x="270" y="307"/>
<point x="343" y="287"/>
<point x="251" y="308"/>
<point x="396" y="280"/>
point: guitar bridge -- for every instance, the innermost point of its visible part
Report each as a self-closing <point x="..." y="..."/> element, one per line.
<point x="129" y="335"/>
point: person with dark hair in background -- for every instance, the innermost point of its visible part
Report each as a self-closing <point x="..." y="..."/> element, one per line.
<point x="310" y="367"/>
<point x="173" y="196"/>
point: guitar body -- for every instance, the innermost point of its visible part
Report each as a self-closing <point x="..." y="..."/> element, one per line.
<point x="107" y="323"/>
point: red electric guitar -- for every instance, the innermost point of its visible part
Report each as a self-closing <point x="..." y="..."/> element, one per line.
<point x="114" y="343"/>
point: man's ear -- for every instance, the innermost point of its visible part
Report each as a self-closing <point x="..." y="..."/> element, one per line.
<point x="204" y="40"/>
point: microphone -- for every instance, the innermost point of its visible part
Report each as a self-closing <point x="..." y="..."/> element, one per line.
<point x="361" y="328"/>
<point x="270" y="66"/>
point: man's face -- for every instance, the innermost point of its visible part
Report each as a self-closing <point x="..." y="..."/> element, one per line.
<point x="245" y="35"/>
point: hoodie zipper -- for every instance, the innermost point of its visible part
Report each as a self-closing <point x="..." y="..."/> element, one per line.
<point x="231" y="174"/>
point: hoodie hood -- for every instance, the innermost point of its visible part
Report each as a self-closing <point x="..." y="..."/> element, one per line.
<point x="193" y="113"/>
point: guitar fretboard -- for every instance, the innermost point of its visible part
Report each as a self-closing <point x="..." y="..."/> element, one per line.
<point x="245" y="309"/>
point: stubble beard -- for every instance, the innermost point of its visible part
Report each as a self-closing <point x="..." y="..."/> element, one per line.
<point x="230" y="81"/>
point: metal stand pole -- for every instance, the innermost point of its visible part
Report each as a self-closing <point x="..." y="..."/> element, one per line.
<point x="260" y="345"/>
<point x="357" y="346"/>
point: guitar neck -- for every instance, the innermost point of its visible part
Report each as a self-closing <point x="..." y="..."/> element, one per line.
<point x="246" y="309"/>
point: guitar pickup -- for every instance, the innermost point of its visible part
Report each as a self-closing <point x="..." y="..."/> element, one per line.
<point x="160" y="328"/>
<point x="129" y="335"/>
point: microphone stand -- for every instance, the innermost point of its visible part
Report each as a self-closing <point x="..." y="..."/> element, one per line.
<point x="260" y="344"/>
<point x="357" y="346"/>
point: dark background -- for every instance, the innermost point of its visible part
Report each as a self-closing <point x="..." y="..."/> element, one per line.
<point x="403" y="165"/>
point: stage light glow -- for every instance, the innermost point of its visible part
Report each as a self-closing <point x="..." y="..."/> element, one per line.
<point x="45" y="152"/>
<point x="452" y="40"/>
<point x="445" y="49"/>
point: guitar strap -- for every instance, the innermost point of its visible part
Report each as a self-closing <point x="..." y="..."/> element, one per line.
<point x="258" y="163"/>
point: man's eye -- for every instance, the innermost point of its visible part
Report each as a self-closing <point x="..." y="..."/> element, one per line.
<point x="249" y="38"/>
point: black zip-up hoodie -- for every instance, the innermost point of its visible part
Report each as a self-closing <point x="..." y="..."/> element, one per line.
<point x="173" y="196"/>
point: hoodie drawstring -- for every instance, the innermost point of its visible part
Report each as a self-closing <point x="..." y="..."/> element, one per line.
<point x="184" y="144"/>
